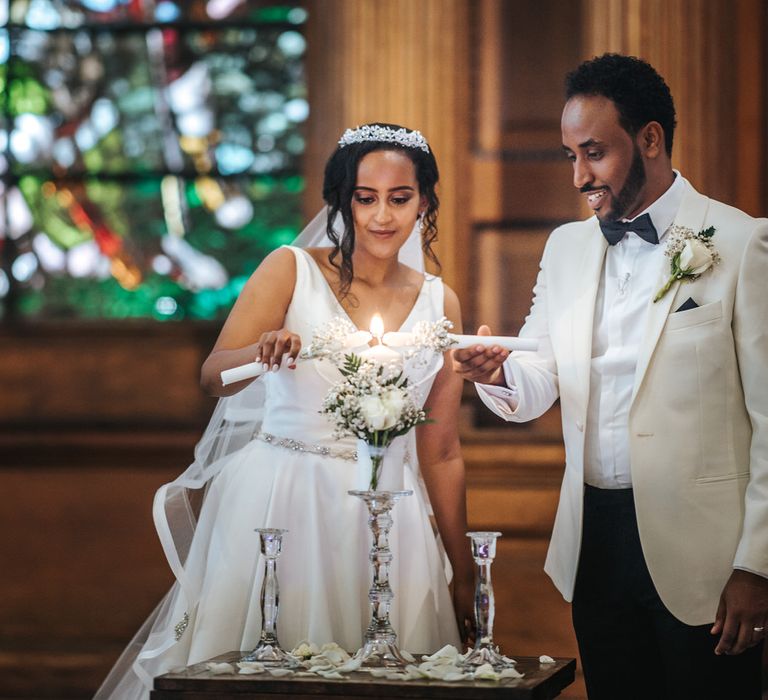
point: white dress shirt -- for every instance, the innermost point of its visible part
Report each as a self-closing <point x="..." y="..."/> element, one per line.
<point x="627" y="284"/>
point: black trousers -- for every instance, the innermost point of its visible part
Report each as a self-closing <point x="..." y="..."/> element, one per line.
<point x="631" y="646"/>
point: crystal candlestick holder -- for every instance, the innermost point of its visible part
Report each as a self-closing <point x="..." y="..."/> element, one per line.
<point x="484" y="651"/>
<point x="268" y="651"/>
<point x="379" y="648"/>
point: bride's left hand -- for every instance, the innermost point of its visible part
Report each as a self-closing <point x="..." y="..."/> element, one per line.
<point x="464" y="607"/>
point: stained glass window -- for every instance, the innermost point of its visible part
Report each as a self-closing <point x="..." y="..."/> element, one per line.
<point x="150" y="153"/>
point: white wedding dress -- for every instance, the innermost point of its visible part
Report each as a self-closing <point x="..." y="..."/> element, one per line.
<point x="323" y="571"/>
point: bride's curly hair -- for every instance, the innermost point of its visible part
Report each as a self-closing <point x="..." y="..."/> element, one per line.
<point x="339" y="185"/>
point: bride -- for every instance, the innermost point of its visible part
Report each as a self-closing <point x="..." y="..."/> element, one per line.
<point x="269" y="458"/>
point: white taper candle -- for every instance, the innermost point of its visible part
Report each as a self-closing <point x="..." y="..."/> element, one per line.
<point x="506" y="342"/>
<point x="237" y="374"/>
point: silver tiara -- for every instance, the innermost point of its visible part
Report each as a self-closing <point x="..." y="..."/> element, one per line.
<point x="409" y="139"/>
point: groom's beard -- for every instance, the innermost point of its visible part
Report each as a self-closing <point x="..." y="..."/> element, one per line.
<point x="630" y="192"/>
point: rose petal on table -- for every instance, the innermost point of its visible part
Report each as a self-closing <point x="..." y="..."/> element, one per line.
<point x="438" y="670"/>
<point x="332" y="675"/>
<point x="544" y="659"/>
<point x="349" y="666"/>
<point x="251" y="667"/>
<point x="389" y="675"/>
<point x="379" y="673"/>
<point x="278" y="672"/>
<point x="218" y="669"/>
<point x="486" y="672"/>
<point x="455" y="676"/>
<point x="409" y="676"/>
<point x="334" y="653"/>
<point x="510" y="673"/>
<point x="412" y="669"/>
<point x="320" y="668"/>
<point x="448" y="651"/>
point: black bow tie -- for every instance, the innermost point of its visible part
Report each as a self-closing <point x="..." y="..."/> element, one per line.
<point x="642" y="226"/>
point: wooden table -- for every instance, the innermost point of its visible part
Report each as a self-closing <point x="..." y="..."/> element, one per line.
<point x="540" y="682"/>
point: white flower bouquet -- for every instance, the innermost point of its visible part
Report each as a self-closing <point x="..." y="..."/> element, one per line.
<point x="374" y="403"/>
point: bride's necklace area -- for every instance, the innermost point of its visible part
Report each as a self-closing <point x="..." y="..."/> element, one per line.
<point x="392" y="299"/>
<point x="394" y="304"/>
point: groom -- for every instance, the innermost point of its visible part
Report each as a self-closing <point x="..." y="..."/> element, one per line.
<point x="661" y="534"/>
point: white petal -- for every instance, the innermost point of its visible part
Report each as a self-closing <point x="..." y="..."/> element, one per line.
<point x="219" y="668"/>
<point x="332" y="675"/>
<point x="455" y="676"/>
<point x="510" y="673"/>
<point x="351" y="665"/>
<point x="278" y="672"/>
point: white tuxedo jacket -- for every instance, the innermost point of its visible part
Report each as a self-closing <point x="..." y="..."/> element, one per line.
<point x="698" y="420"/>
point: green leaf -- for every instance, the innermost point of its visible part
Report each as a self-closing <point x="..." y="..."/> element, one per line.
<point x="707" y="232"/>
<point x="351" y="365"/>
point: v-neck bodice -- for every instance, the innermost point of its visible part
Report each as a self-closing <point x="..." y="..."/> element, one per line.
<point x="317" y="272"/>
<point x="294" y="397"/>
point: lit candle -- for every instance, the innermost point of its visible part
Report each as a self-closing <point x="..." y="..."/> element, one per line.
<point x="377" y="326"/>
<point x="380" y="352"/>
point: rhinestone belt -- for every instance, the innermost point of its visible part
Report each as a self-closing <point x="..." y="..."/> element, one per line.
<point x="299" y="446"/>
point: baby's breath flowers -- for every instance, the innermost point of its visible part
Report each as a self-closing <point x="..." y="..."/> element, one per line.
<point x="433" y="335"/>
<point x="331" y="341"/>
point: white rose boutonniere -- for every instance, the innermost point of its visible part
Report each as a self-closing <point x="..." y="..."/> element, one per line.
<point x="690" y="254"/>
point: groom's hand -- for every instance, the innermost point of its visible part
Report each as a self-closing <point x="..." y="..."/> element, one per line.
<point x="742" y="616"/>
<point x="479" y="363"/>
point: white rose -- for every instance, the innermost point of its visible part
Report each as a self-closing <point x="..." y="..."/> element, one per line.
<point x="393" y="400"/>
<point x="695" y="257"/>
<point x="375" y="413"/>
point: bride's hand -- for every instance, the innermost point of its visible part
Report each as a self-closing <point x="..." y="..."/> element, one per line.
<point x="274" y="345"/>
<point x="464" y="606"/>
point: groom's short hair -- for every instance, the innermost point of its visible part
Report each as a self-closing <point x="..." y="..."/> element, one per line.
<point x="633" y="85"/>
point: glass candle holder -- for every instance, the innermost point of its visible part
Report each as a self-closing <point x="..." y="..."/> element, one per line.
<point x="380" y="648"/>
<point x="268" y="650"/>
<point x="484" y="651"/>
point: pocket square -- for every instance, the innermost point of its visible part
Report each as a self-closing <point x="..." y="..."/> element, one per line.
<point x="689" y="303"/>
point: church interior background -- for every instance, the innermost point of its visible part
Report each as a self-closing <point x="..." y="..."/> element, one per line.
<point x="153" y="151"/>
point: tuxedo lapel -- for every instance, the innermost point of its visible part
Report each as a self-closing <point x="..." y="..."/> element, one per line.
<point x="692" y="213"/>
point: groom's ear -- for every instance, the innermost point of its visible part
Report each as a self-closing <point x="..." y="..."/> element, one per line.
<point x="650" y="140"/>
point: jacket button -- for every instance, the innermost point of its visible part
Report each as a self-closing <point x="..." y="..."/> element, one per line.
<point x="579" y="426"/>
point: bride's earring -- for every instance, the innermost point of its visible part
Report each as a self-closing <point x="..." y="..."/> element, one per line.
<point x="421" y="224"/>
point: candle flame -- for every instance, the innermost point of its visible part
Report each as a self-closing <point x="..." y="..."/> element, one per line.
<point x="377" y="326"/>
